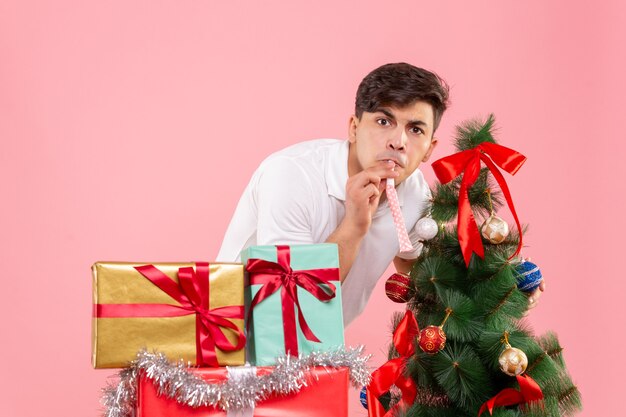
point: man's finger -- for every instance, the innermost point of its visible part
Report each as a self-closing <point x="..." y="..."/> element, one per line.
<point x="536" y="294"/>
<point x="534" y="298"/>
<point x="371" y="190"/>
<point x="363" y="179"/>
<point x="381" y="171"/>
<point x="382" y="185"/>
<point x="373" y="175"/>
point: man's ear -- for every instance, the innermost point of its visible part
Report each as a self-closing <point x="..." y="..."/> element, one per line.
<point x="353" y="122"/>
<point x="433" y="143"/>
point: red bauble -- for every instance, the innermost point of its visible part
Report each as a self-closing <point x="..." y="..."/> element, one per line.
<point x="397" y="287"/>
<point x="432" y="339"/>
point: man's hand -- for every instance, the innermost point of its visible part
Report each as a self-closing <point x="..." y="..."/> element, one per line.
<point x="534" y="297"/>
<point x="403" y="265"/>
<point x="363" y="191"/>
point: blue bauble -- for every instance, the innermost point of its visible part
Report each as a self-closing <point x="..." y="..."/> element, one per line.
<point x="528" y="276"/>
<point x="363" y="397"/>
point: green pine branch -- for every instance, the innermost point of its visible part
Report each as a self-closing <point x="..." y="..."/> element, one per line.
<point x="435" y="274"/>
<point x="472" y="133"/>
<point x="570" y="401"/>
<point x="461" y="374"/>
<point x="446" y="197"/>
<point x="464" y="323"/>
<point x="550" y="344"/>
<point x="426" y="410"/>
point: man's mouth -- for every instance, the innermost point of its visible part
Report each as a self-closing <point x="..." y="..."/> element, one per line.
<point x="397" y="162"/>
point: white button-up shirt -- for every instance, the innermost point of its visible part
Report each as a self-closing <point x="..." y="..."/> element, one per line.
<point x="297" y="196"/>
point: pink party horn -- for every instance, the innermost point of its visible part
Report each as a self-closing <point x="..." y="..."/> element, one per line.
<point x="398" y="219"/>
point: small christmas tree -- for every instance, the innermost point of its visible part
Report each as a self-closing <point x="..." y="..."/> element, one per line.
<point x="465" y="293"/>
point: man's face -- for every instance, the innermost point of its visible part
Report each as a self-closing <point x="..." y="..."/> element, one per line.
<point x="403" y="135"/>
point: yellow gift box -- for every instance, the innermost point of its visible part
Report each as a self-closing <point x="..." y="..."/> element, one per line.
<point x="189" y="311"/>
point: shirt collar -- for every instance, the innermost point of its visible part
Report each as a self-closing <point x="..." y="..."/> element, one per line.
<point x="337" y="173"/>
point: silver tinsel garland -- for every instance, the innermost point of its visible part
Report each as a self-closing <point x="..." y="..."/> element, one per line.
<point x="176" y="381"/>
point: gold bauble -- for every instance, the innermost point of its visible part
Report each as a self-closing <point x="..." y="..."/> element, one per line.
<point x="494" y="229"/>
<point x="513" y="361"/>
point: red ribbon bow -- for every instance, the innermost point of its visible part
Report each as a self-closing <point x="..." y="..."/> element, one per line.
<point x="279" y="275"/>
<point x="192" y="292"/>
<point x="392" y="372"/>
<point x="529" y="391"/>
<point x="468" y="163"/>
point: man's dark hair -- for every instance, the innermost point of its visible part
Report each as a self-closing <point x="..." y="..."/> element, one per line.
<point x="401" y="85"/>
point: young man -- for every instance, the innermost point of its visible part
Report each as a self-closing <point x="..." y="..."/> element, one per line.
<point x="332" y="191"/>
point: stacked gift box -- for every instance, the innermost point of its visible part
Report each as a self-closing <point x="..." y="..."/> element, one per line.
<point x="224" y="320"/>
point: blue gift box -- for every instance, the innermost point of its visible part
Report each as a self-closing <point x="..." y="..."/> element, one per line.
<point x="274" y="316"/>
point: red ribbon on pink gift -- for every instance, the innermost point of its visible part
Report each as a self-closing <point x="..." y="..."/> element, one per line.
<point x="192" y="293"/>
<point x="274" y="276"/>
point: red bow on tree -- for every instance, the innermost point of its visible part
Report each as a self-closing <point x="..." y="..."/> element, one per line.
<point x="393" y="371"/>
<point x="468" y="163"/>
<point x="529" y="391"/>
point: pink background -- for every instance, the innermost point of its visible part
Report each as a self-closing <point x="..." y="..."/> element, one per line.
<point x="130" y="128"/>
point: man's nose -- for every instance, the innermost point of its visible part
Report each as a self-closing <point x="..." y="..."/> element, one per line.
<point x="397" y="141"/>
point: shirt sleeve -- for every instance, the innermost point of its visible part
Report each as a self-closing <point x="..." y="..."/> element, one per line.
<point x="285" y="204"/>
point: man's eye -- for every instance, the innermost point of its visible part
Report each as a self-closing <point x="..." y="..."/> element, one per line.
<point x="416" y="130"/>
<point x="383" y="122"/>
